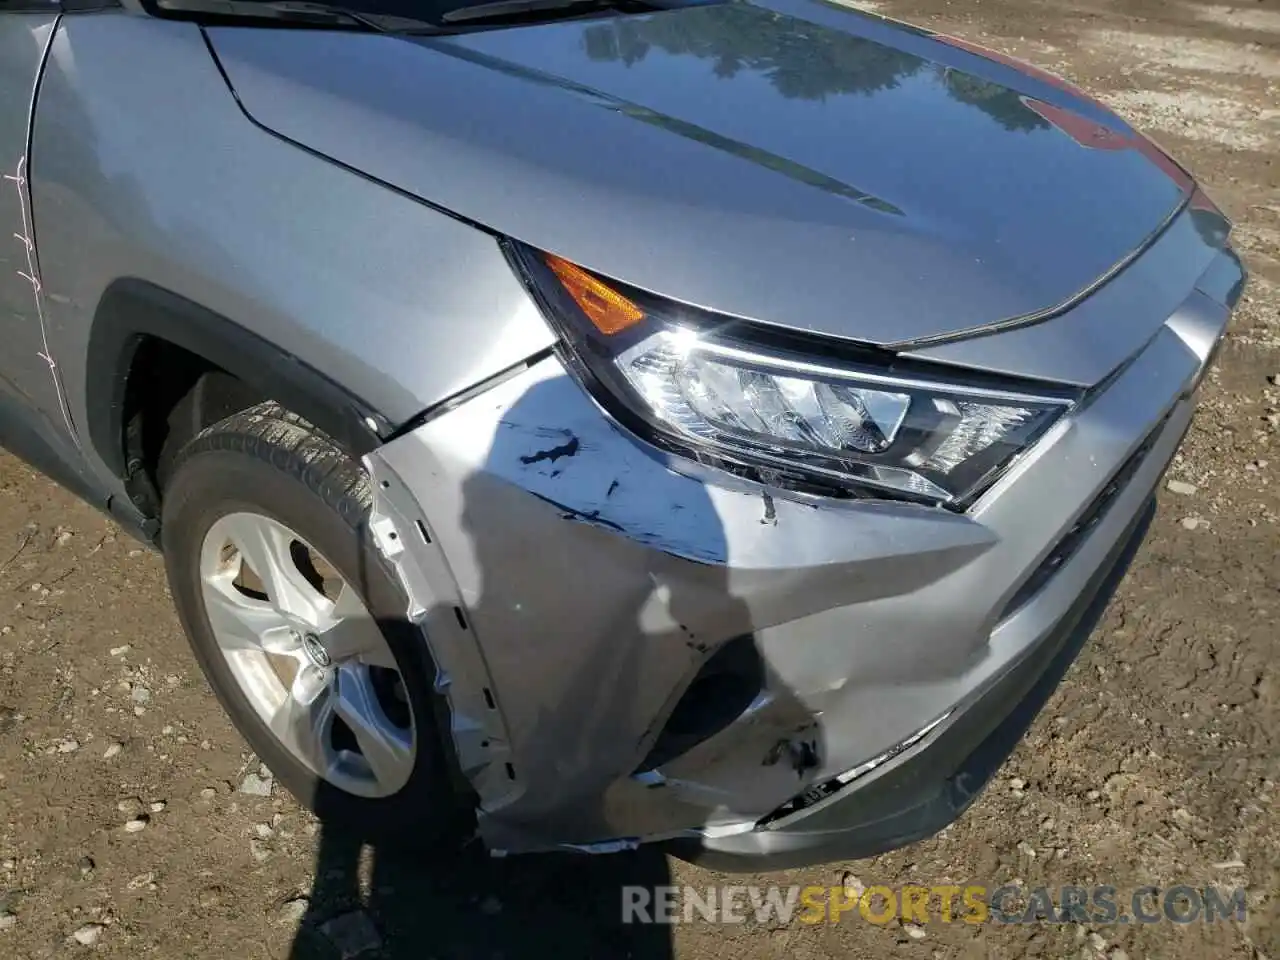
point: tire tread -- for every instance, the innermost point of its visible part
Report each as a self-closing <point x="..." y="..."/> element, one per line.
<point x="289" y="443"/>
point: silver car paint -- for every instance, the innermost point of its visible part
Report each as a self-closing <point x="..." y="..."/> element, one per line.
<point x="892" y="190"/>
<point x="590" y="601"/>
<point x="28" y="369"/>
<point x="569" y="598"/>
<point x="401" y="304"/>
<point x="1087" y="342"/>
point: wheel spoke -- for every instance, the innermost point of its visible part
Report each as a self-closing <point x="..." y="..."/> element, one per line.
<point x="265" y="547"/>
<point x="354" y="634"/>
<point x="310" y="684"/>
<point x="302" y="719"/>
<point x="386" y="748"/>
<point x="241" y="623"/>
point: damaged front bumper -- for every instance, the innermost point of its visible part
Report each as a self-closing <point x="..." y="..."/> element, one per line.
<point x="635" y="648"/>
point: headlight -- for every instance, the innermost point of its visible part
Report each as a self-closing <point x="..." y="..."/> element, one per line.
<point x="710" y="387"/>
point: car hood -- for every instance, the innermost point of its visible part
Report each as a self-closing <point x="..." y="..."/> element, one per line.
<point x="788" y="161"/>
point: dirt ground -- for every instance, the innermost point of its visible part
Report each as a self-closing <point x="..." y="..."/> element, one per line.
<point x="1156" y="761"/>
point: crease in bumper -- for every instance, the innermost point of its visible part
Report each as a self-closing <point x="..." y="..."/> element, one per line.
<point x="585" y="585"/>
<point x="923" y="789"/>
<point x="571" y="582"/>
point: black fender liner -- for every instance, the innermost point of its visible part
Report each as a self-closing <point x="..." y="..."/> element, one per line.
<point x="132" y="309"/>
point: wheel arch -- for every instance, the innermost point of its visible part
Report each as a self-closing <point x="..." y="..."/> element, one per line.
<point x="133" y="313"/>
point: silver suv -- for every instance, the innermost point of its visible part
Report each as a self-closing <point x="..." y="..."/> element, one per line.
<point x="594" y="422"/>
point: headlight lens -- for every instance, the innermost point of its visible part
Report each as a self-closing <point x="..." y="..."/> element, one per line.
<point x="700" y="386"/>
<point x="894" y="434"/>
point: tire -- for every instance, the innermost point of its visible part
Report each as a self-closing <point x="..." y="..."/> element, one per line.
<point x="268" y="462"/>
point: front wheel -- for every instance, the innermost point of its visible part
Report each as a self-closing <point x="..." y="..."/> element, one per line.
<point x="300" y="627"/>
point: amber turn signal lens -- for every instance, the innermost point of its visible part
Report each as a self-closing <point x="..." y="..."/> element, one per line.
<point x="608" y="310"/>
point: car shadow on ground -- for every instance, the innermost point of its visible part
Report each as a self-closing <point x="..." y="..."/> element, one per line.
<point x="376" y="902"/>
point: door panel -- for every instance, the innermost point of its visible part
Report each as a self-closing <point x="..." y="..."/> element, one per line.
<point x="25" y="371"/>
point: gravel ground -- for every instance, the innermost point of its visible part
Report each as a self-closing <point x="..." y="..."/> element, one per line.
<point x="134" y="822"/>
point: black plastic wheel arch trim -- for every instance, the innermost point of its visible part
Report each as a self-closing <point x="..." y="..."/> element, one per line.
<point x="132" y="309"/>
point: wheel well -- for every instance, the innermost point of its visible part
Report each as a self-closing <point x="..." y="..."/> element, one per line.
<point x="160" y="368"/>
<point x="150" y="349"/>
<point x="170" y="395"/>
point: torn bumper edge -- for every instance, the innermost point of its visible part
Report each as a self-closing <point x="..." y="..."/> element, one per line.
<point x="401" y="533"/>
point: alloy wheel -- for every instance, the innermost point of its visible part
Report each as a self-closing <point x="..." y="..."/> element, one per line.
<point x="307" y="655"/>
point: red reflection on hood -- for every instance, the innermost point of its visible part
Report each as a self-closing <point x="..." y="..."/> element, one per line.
<point x="1019" y="65"/>
<point x="1088" y="133"/>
